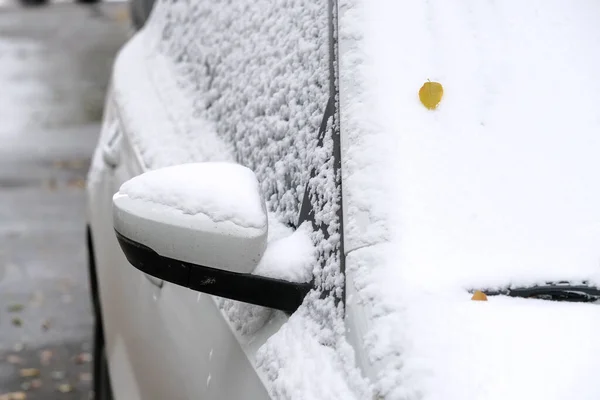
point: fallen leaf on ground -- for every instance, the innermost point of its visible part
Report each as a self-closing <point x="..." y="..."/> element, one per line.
<point x="16" y="307"/>
<point x="65" y="388"/>
<point x="46" y="325"/>
<point x="83" y="358"/>
<point x="479" y="296"/>
<point x="26" y="386"/>
<point x="36" y="299"/>
<point x="85" y="377"/>
<point x="29" y="372"/>
<point x="77" y="164"/>
<point x="14" y="359"/>
<point x="16" y="321"/>
<point x="45" y="357"/>
<point x="69" y="164"/>
<point x="59" y="164"/>
<point x="13" y="396"/>
<point x="36" y="383"/>
<point x="122" y="15"/>
<point x="78" y="183"/>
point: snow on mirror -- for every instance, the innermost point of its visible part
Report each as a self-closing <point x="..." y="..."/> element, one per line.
<point x="210" y="214"/>
<point x="205" y="226"/>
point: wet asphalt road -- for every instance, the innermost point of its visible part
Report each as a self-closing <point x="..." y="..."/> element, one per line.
<point x="54" y="67"/>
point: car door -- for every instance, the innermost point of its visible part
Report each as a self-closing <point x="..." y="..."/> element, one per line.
<point x="162" y="340"/>
<point x="123" y="293"/>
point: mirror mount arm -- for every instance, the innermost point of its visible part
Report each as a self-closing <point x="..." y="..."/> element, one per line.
<point x="259" y="290"/>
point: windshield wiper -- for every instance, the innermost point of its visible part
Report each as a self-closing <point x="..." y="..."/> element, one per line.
<point x="561" y="291"/>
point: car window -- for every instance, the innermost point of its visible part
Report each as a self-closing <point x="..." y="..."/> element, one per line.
<point x="261" y="74"/>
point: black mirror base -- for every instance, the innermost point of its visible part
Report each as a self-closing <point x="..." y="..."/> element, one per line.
<point x="248" y="288"/>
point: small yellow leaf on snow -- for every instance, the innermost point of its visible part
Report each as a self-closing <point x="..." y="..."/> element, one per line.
<point x="479" y="296"/>
<point x="431" y="94"/>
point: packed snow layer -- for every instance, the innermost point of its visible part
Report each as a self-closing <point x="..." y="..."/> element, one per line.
<point x="305" y="361"/>
<point x="494" y="188"/>
<point x="156" y="115"/>
<point x="497" y="186"/>
<point x="221" y="191"/>
<point x="439" y="344"/>
<point x="290" y="255"/>
<point x="503" y="348"/>
<point x="291" y="258"/>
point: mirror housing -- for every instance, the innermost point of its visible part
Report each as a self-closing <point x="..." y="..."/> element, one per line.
<point x="209" y="214"/>
<point x="203" y="226"/>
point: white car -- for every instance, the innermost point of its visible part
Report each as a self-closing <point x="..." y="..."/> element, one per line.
<point x="302" y="200"/>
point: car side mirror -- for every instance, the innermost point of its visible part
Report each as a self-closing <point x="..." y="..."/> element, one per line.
<point x="203" y="226"/>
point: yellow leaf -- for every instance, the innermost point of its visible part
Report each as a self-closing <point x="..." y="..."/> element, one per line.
<point x="479" y="296"/>
<point x="431" y="94"/>
<point x="29" y="372"/>
<point x="122" y="15"/>
<point x="13" y="396"/>
<point x="65" y="388"/>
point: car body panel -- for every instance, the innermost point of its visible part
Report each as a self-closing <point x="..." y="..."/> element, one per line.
<point x="153" y="331"/>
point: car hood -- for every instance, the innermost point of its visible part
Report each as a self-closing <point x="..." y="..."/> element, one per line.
<point x="495" y="188"/>
<point x="503" y="348"/>
<point x="415" y="342"/>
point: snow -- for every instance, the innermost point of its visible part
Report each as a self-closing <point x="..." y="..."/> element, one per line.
<point x="248" y="82"/>
<point x="432" y="344"/>
<point x="144" y="85"/>
<point x="304" y="361"/>
<point x="503" y="348"/>
<point x="221" y="191"/>
<point x="487" y="351"/>
<point x="495" y="188"/>
<point x="254" y="74"/>
<point x="244" y="317"/>
<point x="291" y="258"/>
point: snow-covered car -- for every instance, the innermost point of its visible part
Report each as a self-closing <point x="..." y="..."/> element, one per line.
<point x="305" y="199"/>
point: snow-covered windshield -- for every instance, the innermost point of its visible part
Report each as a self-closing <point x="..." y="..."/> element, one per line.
<point x="496" y="187"/>
<point x="499" y="184"/>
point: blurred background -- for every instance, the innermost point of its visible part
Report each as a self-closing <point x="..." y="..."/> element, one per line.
<point x="55" y="62"/>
